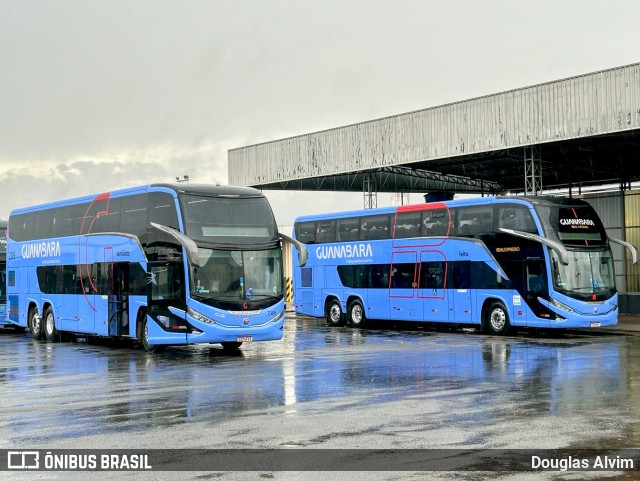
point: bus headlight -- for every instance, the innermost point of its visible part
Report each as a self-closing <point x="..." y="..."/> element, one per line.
<point x="560" y="305"/>
<point x="199" y="317"/>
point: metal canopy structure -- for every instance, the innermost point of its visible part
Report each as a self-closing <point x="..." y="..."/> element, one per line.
<point x="389" y="179"/>
<point x="576" y="132"/>
<point x="590" y="161"/>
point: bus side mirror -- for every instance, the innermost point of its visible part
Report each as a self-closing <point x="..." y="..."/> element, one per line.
<point x="634" y="251"/>
<point x="190" y="246"/>
<point x="302" y="249"/>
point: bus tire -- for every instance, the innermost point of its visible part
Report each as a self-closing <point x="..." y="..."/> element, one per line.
<point x="231" y="345"/>
<point x="334" y="313"/>
<point x="144" y="337"/>
<point x="496" y="319"/>
<point x="51" y="333"/>
<point x="35" y="324"/>
<point x="355" y="314"/>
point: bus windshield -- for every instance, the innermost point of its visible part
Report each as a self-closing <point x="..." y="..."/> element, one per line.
<point x="589" y="273"/>
<point x="232" y="276"/>
<point x="228" y="220"/>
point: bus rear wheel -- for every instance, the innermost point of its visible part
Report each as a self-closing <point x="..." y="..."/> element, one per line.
<point x="35" y="324"/>
<point x="50" y="331"/>
<point x="355" y="313"/>
<point x="334" y="313"/>
<point x="496" y="319"/>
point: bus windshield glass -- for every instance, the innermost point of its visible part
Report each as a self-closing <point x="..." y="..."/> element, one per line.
<point x="589" y="273"/>
<point x="228" y="220"/>
<point x="232" y="276"/>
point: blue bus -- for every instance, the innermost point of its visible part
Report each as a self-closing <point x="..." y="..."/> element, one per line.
<point x="497" y="262"/>
<point x="164" y="264"/>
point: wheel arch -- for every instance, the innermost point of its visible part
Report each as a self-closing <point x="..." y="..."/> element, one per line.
<point x="328" y="299"/>
<point x="485" y="313"/>
<point x="490" y="300"/>
<point x="46" y="305"/>
<point x="356" y="297"/>
<point x="32" y="305"/>
<point x="142" y="313"/>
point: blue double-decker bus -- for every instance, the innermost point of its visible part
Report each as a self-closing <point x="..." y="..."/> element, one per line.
<point x="498" y="262"/>
<point x="166" y="264"/>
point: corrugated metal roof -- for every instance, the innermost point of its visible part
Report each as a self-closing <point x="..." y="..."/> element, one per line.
<point x="476" y="138"/>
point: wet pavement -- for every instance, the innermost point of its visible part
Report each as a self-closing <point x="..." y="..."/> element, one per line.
<point x="324" y="387"/>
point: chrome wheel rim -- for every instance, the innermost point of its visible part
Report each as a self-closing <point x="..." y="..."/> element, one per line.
<point x="334" y="313"/>
<point x="35" y="323"/>
<point x="49" y="324"/>
<point x="498" y="319"/>
<point x="356" y="314"/>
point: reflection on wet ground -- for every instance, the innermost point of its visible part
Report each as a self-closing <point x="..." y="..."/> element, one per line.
<point x="327" y="387"/>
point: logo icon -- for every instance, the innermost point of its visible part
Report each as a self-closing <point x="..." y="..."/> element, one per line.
<point x="23" y="460"/>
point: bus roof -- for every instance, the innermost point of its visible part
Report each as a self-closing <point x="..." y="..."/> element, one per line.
<point x="527" y="200"/>
<point x="181" y="188"/>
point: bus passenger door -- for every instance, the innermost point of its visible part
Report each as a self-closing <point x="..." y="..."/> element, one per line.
<point x="535" y="285"/>
<point x="118" y="275"/>
<point x="166" y="289"/>
<point x="67" y="302"/>
<point x="403" y="302"/>
<point x="459" y="292"/>
<point x="432" y="292"/>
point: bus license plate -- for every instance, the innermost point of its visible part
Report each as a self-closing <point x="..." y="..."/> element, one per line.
<point x="244" y="338"/>
<point x="595" y="324"/>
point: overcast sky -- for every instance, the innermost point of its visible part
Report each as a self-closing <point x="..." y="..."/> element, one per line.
<point x="98" y="95"/>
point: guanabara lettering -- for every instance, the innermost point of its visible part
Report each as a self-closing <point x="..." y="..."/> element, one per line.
<point x="588" y="222"/>
<point x="41" y="249"/>
<point x="344" y="251"/>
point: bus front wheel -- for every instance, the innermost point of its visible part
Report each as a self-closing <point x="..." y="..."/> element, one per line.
<point x="144" y="337"/>
<point x="334" y="313"/>
<point x="35" y="324"/>
<point x="356" y="314"/>
<point x="496" y="319"/>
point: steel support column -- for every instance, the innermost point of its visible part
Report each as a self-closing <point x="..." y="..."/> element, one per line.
<point x="370" y="190"/>
<point x="532" y="171"/>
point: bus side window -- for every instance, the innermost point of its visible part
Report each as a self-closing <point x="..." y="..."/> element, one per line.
<point x="508" y="219"/>
<point x="375" y="227"/>
<point x="516" y="217"/>
<point x="407" y="225"/>
<point x="458" y="275"/>
<point x="325" y="231"/>
<point x="305" y="232"/>
<point x="347" y="229"/>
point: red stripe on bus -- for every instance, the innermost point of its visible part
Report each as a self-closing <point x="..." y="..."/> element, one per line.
<point x="420" y="207"/>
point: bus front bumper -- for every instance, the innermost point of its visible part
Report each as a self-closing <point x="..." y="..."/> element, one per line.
<point x="214" y="333"/>
<point x="573" y="319"/>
